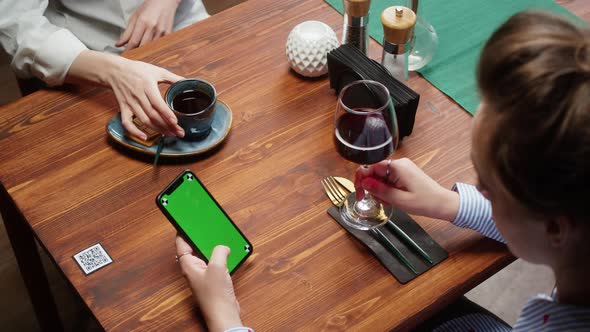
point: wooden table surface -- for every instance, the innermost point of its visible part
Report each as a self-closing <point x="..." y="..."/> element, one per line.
<point x="75" y="188"/>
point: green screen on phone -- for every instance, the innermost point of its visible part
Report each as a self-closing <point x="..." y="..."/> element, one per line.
<point x="205" y="224"/>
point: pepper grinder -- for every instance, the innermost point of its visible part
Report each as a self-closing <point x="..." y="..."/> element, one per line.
<point x="356" y="24"/>
<point x="398" y="24"/>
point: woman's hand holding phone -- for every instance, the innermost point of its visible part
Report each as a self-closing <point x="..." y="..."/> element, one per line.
<point x="195" y="214"/>
<point x="211" y="285"/>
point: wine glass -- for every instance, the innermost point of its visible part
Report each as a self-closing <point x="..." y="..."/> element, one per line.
<point x="365" y="133"/>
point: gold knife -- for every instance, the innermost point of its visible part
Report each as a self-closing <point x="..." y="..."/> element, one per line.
<point x="346" y="183"/>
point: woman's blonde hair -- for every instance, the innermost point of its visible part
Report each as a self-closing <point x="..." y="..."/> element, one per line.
<point x="534" y="74"/>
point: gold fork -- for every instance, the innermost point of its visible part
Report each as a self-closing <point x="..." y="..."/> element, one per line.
<point x="338" y="194"/>
<point x="334" y="191"/>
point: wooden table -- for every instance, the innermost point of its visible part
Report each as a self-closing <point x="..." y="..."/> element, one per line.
<point x="67" y="186"/>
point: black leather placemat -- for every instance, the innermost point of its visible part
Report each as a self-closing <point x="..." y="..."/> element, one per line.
<point x="388" y="259"/>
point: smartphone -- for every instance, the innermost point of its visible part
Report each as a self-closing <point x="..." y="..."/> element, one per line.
<point x="196" y="215"/>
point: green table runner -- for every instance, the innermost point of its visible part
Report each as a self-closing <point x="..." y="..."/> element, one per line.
<point x="463" y="26"/>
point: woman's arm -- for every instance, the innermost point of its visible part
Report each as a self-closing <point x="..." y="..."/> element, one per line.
<point x="402" y="184"/>
<point x="135" y="85"/>
<point x="55" y="55"/>
<point x="38" y="47"/>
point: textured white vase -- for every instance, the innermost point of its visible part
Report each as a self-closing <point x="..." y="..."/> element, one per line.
<point x="308" y="45"/>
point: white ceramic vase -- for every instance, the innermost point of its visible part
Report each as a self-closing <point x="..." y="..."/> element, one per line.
<point x="308" y="45"/>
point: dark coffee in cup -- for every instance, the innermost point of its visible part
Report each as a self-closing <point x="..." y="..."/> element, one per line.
<point x="193" y="101"/>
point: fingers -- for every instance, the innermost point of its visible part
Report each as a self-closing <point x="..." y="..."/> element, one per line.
<point x="386" y="193"/>
<point x="127" y="111"/>
<point x="169" y="77"/>
<point x="158" y="123"/>
<point x="153" y="95"/>
<point x="158" y="33"/>
<point x="137" y="93"/>
<point x="143" y="118"/>
<point x="127" y="33"/>
<point x="386" y="180"/>
<point x="406" y="175"/>
<point x="375" y="170"/>
<point x="219" y="256"/>
<point x="136" y="36"/>
<point x="148" y="36"/>
<point x="169" y="26"/>
<point x="164" y="26"/>
<point x="395" y="171"/>
<point x="146" y="115"/>
<point x="188" y="263"/>
<point x="169" y="23"/>
<point x="161" y="106"/>
<point x="182" y="246"/>
<point x="142" y="106"/>
<point x="192" y="266"/>
<point x="378" y="170"/>
<point x="126" y="120"/>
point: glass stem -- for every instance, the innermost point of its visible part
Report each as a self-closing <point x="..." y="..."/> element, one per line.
<point x="368" y="196"/>
<point x="367" y="207"/>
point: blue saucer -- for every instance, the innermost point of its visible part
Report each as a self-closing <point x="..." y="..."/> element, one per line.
<point x="222" y="119"/>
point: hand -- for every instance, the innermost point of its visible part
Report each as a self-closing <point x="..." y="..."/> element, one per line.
<point x="135" y="84"/>
<point x="408" y="188"/>
<point x="211" y="285"/>
<point x="152" y="20"/>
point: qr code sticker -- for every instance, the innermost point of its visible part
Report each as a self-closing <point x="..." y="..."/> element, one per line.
<point x="92" y="259"/>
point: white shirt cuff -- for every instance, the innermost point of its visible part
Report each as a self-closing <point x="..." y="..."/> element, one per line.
<point x="54" y="58"/>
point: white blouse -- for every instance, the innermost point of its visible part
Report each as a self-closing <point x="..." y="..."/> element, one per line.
<point x="45" y="37"/>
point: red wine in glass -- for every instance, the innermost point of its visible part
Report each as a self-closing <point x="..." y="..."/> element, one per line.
<point x="363" y="137"/>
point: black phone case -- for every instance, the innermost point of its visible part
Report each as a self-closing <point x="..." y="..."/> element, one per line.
<point x="169" y="189"/>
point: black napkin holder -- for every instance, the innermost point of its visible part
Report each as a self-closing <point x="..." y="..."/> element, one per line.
<point x="347" y="64"/>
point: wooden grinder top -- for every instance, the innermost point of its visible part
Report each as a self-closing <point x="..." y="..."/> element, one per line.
<point x="398" y="24"/>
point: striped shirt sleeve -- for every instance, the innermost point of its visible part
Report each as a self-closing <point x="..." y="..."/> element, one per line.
<point x="473" y="322"/>
<point x="542" y="313"/>
<point x="475" y="212"/>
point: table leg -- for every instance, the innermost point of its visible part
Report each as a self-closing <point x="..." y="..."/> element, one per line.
<point x="29" y="262"/>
